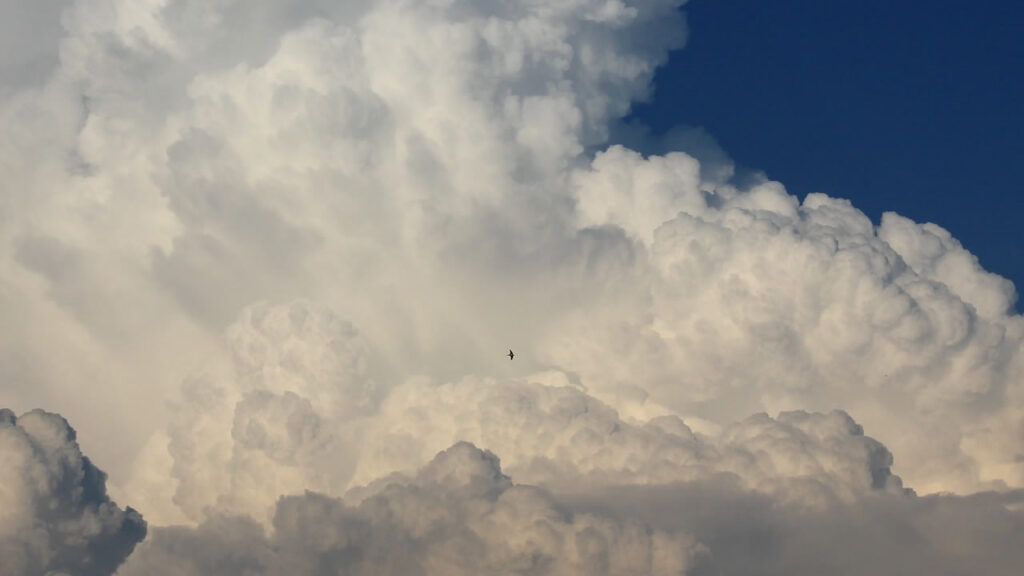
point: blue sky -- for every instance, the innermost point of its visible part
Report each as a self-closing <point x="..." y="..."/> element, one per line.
<point x="895" y="106"/>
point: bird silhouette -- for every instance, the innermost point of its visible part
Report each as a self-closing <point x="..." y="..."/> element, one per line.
<point x="511" y="355"/>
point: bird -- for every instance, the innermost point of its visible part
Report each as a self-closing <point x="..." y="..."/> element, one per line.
<point x="510" y="354"/>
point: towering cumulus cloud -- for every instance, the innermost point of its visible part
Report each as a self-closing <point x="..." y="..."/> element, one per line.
<point x="268" y="258"/>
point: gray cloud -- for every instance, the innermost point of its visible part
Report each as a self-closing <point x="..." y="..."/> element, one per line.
<point x="746" y="533"/>
<point x="29" y="35"/>
<point x="55" y="515"/>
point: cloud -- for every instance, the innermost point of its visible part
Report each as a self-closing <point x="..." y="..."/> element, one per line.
<point x="288" y="247"/>
<point x="279" y="420"/>
<point x="286" y="417"/>
<point x="558" y="436"/>
<point x="29" y="37"/>
<point x="745" y="532"/>
<point x="55" y="515"/>
<point x="755" y="301"/>
<point x="458" y="515"/>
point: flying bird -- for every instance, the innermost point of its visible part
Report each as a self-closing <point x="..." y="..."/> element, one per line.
<point x="511" y="355"/>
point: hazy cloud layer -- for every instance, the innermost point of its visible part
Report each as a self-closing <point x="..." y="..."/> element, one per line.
<point x="745" y="533"/>
<point x="55" y="516"/>
<point x="252" y="249"/>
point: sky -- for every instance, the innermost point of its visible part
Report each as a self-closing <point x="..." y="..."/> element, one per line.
<point x="894" y="106"/>
<point x="261" y="264"/>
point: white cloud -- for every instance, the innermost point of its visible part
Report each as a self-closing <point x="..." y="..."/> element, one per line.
<point x="558" y="436"/>
<point x="293" y="413"/>
<point x="754" y="302"/>
<point x="253" y="249"/>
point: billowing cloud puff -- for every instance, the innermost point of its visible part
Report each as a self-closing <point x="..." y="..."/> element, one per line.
<point x="755" y="301"/>
<point x="55" y="516"/>
<point x="279" y="420"/>
<point x="458" y="515"/>
<point x="243" y="437"/>
<point x="558" y="436"/>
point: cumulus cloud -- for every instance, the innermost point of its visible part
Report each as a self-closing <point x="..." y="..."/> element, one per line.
<point x="55" y="516"/>
<point x="280" y="420"/>
<point x="288" y="247"/>
<point x="458" y="515"/>
<point x="558" y="436"/>
<point x="760" y="302"/>
<point x="286" y="416"/>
